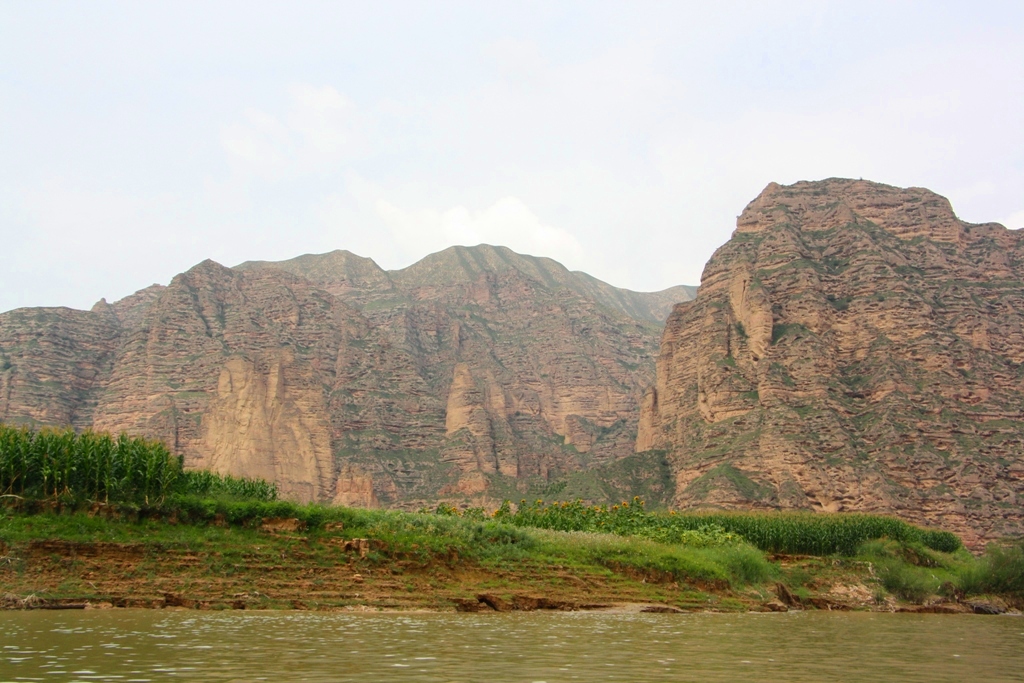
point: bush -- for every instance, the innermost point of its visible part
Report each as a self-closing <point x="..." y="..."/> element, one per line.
<point x="905" y="581"/>
<point x="1000" y="570"/>
<point x="1005" y="568"/>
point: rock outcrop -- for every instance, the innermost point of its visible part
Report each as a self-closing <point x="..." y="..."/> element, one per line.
<point x="853" y="347"/>
<point x="463" y="376"/>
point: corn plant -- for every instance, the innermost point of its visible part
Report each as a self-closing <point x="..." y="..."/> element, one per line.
<point x="62" y="465"/>
<point x="781" y="532"/>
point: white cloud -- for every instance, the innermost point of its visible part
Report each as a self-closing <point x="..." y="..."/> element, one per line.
<point x="94" y="243"/>
<point x="1014" y="221"/>
<point x="507" y="222"/>
<point x="366" y="220"/>
<point x="323" y="118"/>
<point x="619" y="141"/>
<point x="316" y="132"/>
<point x="979" y="189"/>
<point x="261" y="143"/>
<point x="517" y="60"/>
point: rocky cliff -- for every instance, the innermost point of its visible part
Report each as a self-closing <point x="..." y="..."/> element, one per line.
<point x="467" y="375"/>
<point x="528" y="370"/>
<point x="854" y="346"/>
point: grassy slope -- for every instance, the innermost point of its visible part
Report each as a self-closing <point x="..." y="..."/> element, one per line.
<point x="433" y="561"/>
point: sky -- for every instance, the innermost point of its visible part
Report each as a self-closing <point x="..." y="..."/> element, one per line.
<point x="620" y="138"/>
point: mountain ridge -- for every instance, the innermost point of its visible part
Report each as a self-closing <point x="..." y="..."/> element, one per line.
<point x="336" y="270"/>
<point x="853" y="347"/>
<point x="475" y="368"/>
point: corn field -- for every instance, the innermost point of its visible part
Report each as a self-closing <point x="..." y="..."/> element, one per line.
<point x="205" y="484"/>
<point x="65" y="466"/>
<point x="794" y="533"/>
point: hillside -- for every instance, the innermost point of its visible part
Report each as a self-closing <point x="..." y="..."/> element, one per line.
<point x="854" y="346"/>
<point x="469" y="375"/>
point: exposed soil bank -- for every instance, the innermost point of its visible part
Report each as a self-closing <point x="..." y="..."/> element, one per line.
<point x="280" y="570"/>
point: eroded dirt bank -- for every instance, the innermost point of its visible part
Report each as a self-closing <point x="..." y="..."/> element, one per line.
<point x="291" y="571"/>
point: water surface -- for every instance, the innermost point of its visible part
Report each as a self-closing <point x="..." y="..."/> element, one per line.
<point x="142" y="645"/>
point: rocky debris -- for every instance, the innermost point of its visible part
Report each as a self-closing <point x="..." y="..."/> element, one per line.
<point x="470" y="605"/>
<point x="661" y="609"/>
<point x="346" y="383"/>
<point x="775" y="606"/>
<point x="10" y="601"/>
<point x="788" y="600"/>
<point x="358" y="545"/>
<point x="936" y="608"/>
<point x="786" y="597"/>
<point x="987" y="606"/>
<point x="172" y="600"/>
<point x="520" y="603"/>
<point x="282" y="524"/>
<point x="853" y="347"/>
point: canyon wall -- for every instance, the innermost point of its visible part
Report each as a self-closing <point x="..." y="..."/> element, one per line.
<point x="853" y="347"/>
<point x="465" y="376"/>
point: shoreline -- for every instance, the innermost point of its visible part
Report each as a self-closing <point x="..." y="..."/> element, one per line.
<point x="281" y="574"/>
<point x="73" y="604"/>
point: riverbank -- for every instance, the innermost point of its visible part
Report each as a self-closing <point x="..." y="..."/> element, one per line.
<point x="401" y="561"/>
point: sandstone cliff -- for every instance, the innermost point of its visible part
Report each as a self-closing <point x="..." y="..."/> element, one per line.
<point x="528" y="370"/>
<point x="854" y="346"/>
<point x="467" y="375"/>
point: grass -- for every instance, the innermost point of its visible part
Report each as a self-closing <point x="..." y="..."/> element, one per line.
<point x="913" y="572"/>
<point x="94" y="487"/>
<point x="416" y="544"/>
<point x="417" y="540"/>
<point x="790" y="533"/>
<point x="1000" y="571"/>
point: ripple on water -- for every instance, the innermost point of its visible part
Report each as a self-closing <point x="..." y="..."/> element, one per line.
<point x="497" y="648"/>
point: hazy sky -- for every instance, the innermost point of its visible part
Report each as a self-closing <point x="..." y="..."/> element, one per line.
<point x="139" y="138"/>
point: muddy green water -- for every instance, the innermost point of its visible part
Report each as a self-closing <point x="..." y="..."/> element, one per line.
<point x="129" y="645"/>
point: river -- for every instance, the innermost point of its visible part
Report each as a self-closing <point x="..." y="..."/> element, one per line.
<point x="152" y="645"/>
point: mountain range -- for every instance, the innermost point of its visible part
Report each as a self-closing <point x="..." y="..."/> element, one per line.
<point x="853" y="347"/>
<point x="464" y="375"/>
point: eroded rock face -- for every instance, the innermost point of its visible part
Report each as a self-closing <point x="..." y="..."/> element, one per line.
<point x="854" y="346"/>
<point x="269" y="423"/>
<point x="233" y="370"/>
<point x="470" y="372"/>
<point x="354" y="488"/>
<point x="53" y="363"/>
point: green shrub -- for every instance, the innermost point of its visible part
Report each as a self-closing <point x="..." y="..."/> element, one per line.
<point x="943" y="541"/>
<point x="1006" y="568"/>
<point x="905" y="581"/>
<point x="791" y="533"/>
<point x="1000" y="570"/>
<point x="746" y="565"/>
